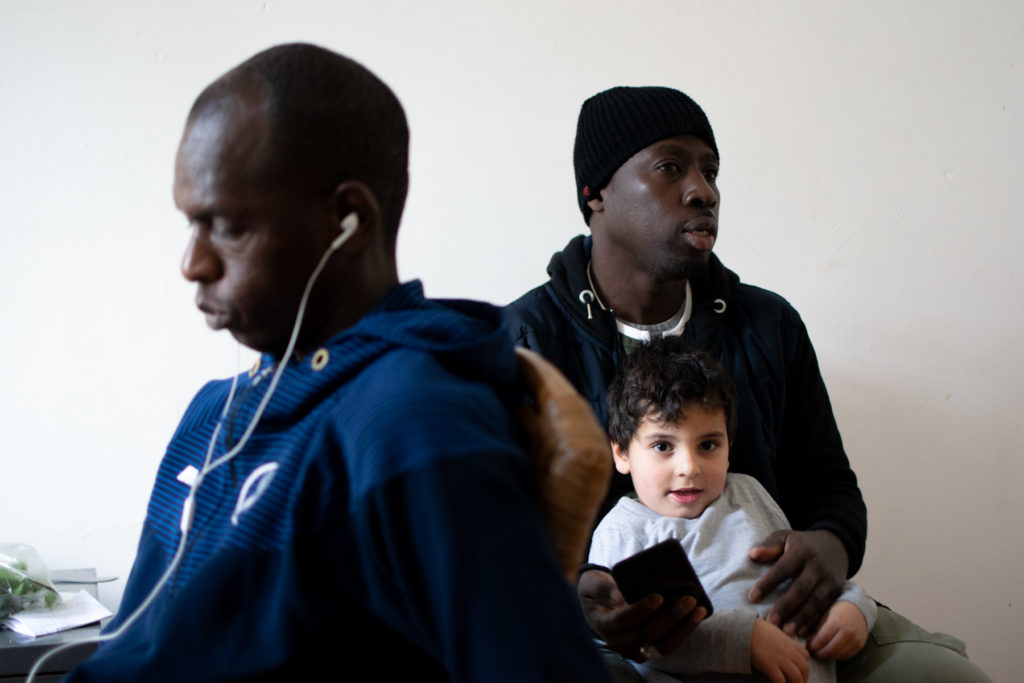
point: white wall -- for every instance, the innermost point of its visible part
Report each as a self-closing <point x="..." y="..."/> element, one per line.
<point x="871" y="162"/>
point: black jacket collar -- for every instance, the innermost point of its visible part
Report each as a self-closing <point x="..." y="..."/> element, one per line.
<point x="715" y="291"/>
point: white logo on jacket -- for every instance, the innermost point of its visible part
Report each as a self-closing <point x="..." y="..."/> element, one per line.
<point x="254" y="487"/>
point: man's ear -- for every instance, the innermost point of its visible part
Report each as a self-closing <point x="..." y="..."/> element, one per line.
<point x="596" y="204"/>
<point x="354" y="197"/>
<point x="621" y="458"/>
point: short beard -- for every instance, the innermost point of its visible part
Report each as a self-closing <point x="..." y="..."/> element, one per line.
<point x="694" y="267"/>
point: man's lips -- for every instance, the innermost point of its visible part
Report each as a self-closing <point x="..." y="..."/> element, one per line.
<point x="706" y="223"/>
<point x="217" y="318"/>
<point x="686" y="496"/>
<point x="700" y="233"/>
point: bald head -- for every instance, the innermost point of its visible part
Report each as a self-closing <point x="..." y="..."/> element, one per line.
<point x="278" y="155"/>
<point x="328" y="120"/>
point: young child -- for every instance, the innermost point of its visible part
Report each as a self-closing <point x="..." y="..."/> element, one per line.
<point x="672" y="418"/>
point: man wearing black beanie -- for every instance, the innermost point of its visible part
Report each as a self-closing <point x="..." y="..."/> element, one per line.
<point x="646" y="164"/>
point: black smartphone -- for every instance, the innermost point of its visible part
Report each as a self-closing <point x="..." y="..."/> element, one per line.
<point x="662" y="569"/>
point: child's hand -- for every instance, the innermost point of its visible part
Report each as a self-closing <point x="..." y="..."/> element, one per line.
<point x="843" y="633"/>
<point x="777" y="655"/>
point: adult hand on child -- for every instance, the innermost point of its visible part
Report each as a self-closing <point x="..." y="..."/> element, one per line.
<point x="843" y="633"/>
<point x="816" y="561"/>
<point x="628" y="629"/>
<point x="776" y="655"/>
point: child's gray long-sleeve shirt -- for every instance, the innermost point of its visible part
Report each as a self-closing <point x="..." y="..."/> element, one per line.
<point x="717" y="544"/>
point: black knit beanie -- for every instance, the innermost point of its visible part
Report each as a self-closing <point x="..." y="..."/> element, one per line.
<point x="617" y="123"/>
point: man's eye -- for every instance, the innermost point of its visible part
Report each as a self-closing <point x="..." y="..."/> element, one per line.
<point x="227" y="229"/>
<point x="669" y="167"/>
<point x="198" y="222"/>
<point x="711" y="174"/>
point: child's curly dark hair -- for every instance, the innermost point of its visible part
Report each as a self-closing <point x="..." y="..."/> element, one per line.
<point x="659" y="380"/>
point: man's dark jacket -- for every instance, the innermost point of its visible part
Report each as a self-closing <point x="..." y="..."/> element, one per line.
<point x="787" y="437"/>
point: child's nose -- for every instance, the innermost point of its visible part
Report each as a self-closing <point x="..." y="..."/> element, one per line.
<point x="687" y="465"/>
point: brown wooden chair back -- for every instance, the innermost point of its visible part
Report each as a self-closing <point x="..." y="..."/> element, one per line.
<point x="571" y="458"/>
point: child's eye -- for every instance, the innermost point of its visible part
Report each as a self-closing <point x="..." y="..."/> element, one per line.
<point x="662" y="446"/>
<point x="708" y="445"/>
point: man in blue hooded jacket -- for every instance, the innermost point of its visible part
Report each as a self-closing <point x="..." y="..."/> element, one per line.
<point x="359" y="495"/>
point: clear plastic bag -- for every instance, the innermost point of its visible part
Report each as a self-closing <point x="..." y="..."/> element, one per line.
<point x="24" y="581"/>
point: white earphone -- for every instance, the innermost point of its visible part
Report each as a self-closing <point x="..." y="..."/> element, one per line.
<point x="348" y="226"/>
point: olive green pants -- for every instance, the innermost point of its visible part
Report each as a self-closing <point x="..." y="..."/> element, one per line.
<point x="900" y="651"/>
<point x="897" y="651"/>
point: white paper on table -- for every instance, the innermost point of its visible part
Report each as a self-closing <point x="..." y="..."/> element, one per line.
<point x="71" y="612"/>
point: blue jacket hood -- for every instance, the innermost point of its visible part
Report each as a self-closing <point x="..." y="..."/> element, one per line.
<point x="468" y="337"/>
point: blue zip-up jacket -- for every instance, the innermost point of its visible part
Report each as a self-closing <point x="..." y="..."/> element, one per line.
<point x="787" y="438"/>
<point x="381" y="516"/>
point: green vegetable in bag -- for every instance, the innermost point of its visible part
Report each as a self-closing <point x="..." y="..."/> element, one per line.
<point x="24" y="582"/>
